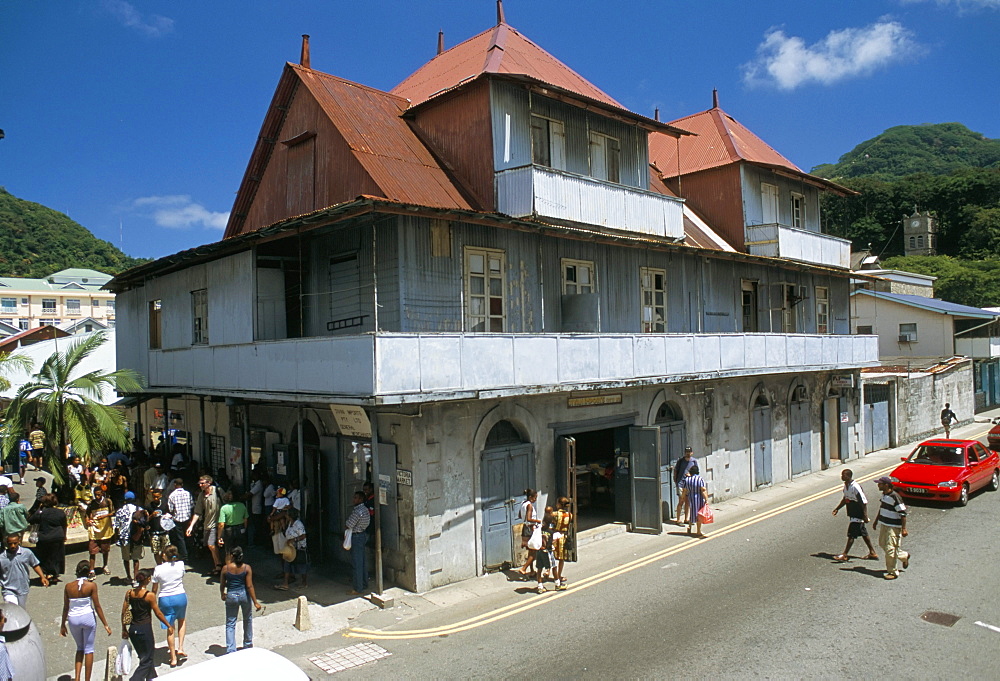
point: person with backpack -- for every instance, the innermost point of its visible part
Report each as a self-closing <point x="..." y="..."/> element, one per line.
<point x="131" y="523"/>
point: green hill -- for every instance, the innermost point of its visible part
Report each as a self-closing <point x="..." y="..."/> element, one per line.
<point x="937" y="149"/>
<point x="36" y="241"/>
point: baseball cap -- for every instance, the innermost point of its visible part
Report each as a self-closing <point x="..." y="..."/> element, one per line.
<point x="688" y="449"/>
<point x="39" y="478"/>
<point x="884" y="479"/>
<point x="130" y="495"/>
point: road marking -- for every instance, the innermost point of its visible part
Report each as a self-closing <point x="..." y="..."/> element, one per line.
<point x="989" y="626"/>
<point x="541" y="599"/>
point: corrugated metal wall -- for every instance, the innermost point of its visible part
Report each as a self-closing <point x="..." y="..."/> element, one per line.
<point x="752" y="179"/>
<point x="511" y="114"/>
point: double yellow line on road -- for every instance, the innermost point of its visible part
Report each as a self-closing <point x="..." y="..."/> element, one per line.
<point x="594" y="580"/>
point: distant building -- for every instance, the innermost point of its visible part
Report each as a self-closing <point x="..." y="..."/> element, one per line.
<point x="873" y="278"/>
<point x="57" y="300"/>
<point x="919" y="234"/>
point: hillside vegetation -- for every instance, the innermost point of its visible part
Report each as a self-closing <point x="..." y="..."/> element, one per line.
<point x="36" y="241"/>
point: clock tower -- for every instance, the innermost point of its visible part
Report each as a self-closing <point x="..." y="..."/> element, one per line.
<point x="919" y="234"/>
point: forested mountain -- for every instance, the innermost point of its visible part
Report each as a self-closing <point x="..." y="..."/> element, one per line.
<point x="908" y="149"/>
<point x="36" y="241"/>
<point x="944" y="169"/>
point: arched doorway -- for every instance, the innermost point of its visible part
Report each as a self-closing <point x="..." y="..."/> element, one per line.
<point x="760" y="439"/>
<point x="673" y="438"/>
<point x="799" y="432"/>
<point x="508" y="468"/>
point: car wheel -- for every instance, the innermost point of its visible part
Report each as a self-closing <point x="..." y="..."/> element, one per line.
<point x="963" y="498"/>
<point x="995" y="481"/>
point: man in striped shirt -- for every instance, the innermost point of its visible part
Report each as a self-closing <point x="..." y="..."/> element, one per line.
<point x="892" y="515"/>
<point x="857" y="513"/>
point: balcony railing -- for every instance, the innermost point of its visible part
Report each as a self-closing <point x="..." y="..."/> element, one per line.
<point x="978" y="348"/>
<point x="554" y="194"/>
<point x="427" y="367"/>
<point x="782" y="241"/>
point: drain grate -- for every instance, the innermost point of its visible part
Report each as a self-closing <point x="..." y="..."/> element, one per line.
<point x="942" y="618"/>
<point x="346" y="658"/>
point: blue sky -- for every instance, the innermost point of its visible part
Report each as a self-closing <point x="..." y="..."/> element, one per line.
<point x="142" y="114"/>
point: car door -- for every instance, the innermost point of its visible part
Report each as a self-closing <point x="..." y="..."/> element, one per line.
<point x="981" y="470"/>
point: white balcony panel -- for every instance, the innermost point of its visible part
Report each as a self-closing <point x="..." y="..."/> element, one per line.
<point x="709" y="355"/>
<point x="733" y="352"/>
<point x="776" y="349"/>
<point x="446" y="375"/>
<point x="782" y="241"/>
<point x="795" y="346"/>
<point x="533" y="363"/>
<point x="755" y="351"/>
<point x="616" y="357"/>
<point x="490" y="362"/>
<point x="546" y="193"/>
<point x="650" y="356"/>
<point x="680" y="354"/>
<point x="978" y="348"/>
<point x="578" y="356"/>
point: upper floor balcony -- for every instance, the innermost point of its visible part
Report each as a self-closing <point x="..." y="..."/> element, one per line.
<point x="399" y="368"/>
<point x="559" y="195"/>
<point x="783" y="241"/>
<point x="978" y="348"/>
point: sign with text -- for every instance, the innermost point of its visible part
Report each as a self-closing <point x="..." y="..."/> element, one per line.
<point x="594" y="400"/>
<point x="351" y="420"/>
<point x="404" y="477"/>
<point x="843" y="381"/>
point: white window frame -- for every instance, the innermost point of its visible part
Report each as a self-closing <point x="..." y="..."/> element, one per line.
<point x="49" y="322"/>
<point x="8" y="308"/>
<point x="73" y="306"/>
<point x="605" y="157"/>
<point x="909" y="328"/>
<point x="548" y="145"/>
<point x="798" y="208"/>
<point x="111" y="306"/>
<point x="49" y="305"/>
<point x="199" y="317"/>
<point x="485" y="290"/>
<point x="653" y="286"/>
<point x="578" y="277"/>
<point x="822" y="309"/>
<point x="24" y="324"/>
<point x="155" y="309"/>
<point x="769" y="203"/>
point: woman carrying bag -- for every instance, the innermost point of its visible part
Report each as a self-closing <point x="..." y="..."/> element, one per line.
<point x="532" y="525"/>
<point x="81" y="608"/>
<point x="137" y="625"/>
<point x="696" y="495"/>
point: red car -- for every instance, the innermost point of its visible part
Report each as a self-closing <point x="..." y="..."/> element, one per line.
<point x="993" y="437"/>
<point x="947" y="470"/>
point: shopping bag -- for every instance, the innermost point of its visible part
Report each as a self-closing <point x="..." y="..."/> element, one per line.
<point x="705" y="515"/>
<point x="347" y="540"/>
<point x="535" y="542"/>
<point x="123" y="663"/>
<point x="278" y="542"/>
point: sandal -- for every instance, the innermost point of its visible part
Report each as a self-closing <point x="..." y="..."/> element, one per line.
<point x="906" y="562"/>
<point x="871" y="556"/>
<point x="841" y="558"/>
<point x="890" y="575"/>
<point x="281" y="587"/>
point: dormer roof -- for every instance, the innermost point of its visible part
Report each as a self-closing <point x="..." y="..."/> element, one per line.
<point x="498" y="50"/>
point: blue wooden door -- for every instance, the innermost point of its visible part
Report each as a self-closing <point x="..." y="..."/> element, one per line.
<point x="506" y="472"/>
<point x="672" y="439"/>
<point x="799" y="436"/>
<point x="644" y="467"/>
<point x="760" y="435"/>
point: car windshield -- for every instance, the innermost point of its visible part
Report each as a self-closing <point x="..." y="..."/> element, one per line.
<point x="938" y="456"/>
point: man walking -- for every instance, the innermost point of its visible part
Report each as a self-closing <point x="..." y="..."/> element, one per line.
<point x="129" y="538"/>
<point x="206" y="508"/>
<point x="892" y="515"/>
<point x="16" y="564"/>
<point x="681" y="469"/>
<point x="857" y="513"/>
<point x="179" y="505"/>
<point x="947" y="417"/>
<point x="357" y="523"/>
<point x="37" y="439"/>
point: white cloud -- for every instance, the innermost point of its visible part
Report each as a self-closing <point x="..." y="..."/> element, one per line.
<point x="179" y="212"/>
<point x="787" y="62"/>
<point x="151" y="24"/>
<point x="960" y="4"/>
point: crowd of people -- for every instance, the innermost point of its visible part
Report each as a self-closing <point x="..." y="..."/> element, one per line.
<point x="547" y="540"/>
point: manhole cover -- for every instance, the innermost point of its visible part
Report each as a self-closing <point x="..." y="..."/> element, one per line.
<point x="942" y="618"/>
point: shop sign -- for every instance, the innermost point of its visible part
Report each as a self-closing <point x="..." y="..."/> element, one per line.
<point x="844" y="418"/>
<point x="594" y="400"/>
<point x="383" y="489"/>
<point x="351" y="420"/>
<point x="846" y="381"/>
<point x="404" y="477"/>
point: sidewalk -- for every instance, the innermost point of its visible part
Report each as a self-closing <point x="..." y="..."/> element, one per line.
<point x="331" y="611"/>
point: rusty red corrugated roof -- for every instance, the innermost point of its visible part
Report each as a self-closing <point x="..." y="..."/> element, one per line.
<point x="501" y="49"/>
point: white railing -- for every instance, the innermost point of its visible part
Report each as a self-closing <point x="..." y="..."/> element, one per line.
<point x="782" y="241"/>
<point x="547" y="193"/>
<point x="978" y="348"/>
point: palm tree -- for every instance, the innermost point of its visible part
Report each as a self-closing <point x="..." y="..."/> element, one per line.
<point x="10" y="363"/>
<point x="68" y="406"/>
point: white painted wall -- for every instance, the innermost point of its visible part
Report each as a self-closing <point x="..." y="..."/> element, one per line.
<point x="935" y="331"/>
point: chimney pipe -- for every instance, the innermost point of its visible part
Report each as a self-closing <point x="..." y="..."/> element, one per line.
<point x="656" y="114"/>
<point x="715" y="98"/>
<point x="440" y="42"/>
<point x="304" y="57"/>
<point x="500" y="17"/>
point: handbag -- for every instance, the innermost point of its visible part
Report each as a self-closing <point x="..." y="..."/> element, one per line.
<point x="526" y="530"/>
<point x="127" y="615"/>
<point x="33" y="534"/>
<point x="535" y="542"/>
<point x="705" y="515"/>
<point x="347" y="540"/>
<point x="123" y="663"/>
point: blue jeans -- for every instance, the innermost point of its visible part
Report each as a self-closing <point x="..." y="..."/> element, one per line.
<point x="235" y="601"/>
<point x="358" y="541"/>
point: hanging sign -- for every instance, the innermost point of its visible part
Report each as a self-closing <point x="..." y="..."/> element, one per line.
<point x="846" y="381"/>
<point x="351" y="420"/>
<point x="843" y="417"/>
<point x="594" y="400"/>
<point x="404" y="477"/>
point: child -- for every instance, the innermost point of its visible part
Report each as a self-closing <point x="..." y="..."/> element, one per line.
<point x="543" y="557"/>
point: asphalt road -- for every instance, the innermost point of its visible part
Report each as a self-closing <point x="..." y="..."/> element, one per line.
<point x="763" y="601"/>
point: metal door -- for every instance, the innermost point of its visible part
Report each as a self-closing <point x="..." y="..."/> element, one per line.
<point x="800" y="436"/>
<point x="876" y="416"/>
<point x="506" y="472"/>
<point x="672" y="438"/>
<point x="760" y="433"/>
<point x="644" y="465"/>
<point x="566" y="477"/>
<point x="831" y="430"/>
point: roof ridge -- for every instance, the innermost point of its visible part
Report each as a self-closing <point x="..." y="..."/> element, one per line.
<point x="727" y="136"/>
<point x="324" y="75"/>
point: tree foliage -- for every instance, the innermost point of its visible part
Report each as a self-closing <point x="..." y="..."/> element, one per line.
<point x="937" y="149"/>
<point x="967" y="282"/>
<point x="36" y="241"/>
<point x="67" y="403"/>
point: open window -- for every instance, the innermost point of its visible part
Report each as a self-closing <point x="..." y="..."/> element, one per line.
<point x="548" y="142"/>
<point x="654" y="311"/>
<point x="605" y="157"/>
<point x="485" y="307"/>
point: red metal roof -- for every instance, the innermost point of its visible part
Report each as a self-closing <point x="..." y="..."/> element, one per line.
<point x="503" y="50"/>
<point x="40" y="333"/>
<point x="383" y="142"/>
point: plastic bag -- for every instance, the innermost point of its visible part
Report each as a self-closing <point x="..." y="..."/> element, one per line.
<point x="705" y="515"/>
<point x="347" y="540"/>
<point x="278" y="542"/>
<point x="535" y="542"/>
<point x="123" y="663"/>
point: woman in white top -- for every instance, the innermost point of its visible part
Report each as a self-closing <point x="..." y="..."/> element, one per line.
<point x="531" y="521"/>
<point x="80" y="603"/>
<point x="168" y="585"/>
